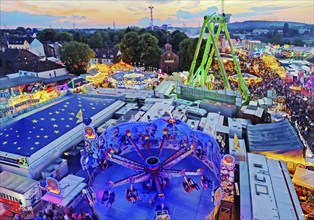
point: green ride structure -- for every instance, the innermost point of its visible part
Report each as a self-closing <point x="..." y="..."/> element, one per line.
<point x="198" y="78"/>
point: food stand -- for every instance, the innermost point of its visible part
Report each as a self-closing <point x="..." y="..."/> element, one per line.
<point x="18" y="195"/>
<point x="66" y="193"/>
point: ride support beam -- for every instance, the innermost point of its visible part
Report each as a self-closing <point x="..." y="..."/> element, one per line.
<point x="178" y="158"/>
<point x="123" y="161"/>
<point x="173" y="156"/>
<point x="179" y="173"/>
<point x="140" y="177"/>
<point x="161" y="145"/>
<point x="212" y="52"/>
<point x="221" y="67"/>
<point x="242" y="84"/>
<point x="205" y="58"/>
<point x="140" y="153"/>
<point x="197" y="50"/>
<point x="158" y="186"/>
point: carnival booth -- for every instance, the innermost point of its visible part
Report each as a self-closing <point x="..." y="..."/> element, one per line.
<point x="303" y="180"/>
<point x="18" y="195"/>
<point x="237" y="148"/>
<point x="66" y="193"/>
<point x="304" y="177"/>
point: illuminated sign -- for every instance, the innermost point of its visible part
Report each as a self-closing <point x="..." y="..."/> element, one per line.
<point x="217" y="196"/>
<point x="169" y="61"/>
<point x="21" y="161"/>
<point x="89" y="133"/>
<point x="228" y="160"/>
<point x="52" y="186"/>
<point x="9" y="197"/>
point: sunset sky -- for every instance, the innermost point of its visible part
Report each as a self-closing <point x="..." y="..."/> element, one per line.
<point x="102" y="13"/>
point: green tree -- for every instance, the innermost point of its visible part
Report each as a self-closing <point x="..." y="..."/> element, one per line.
<point x="176" y="39"/>
<point x="132" y="29"/>
<point x="96" y="40"/>
<point x="129" y="47"/>
<point x="150" y="51"/>
<point x="106" y="41"/>
<point x="312" y="44"/>
<point x="184" y="54"/>
<point x="277" y="39"/>
<point x="64" y="37"/>
<point x="115" y="40"/>
<point x="48" y="35"/>
<point x="161" y="35"/>
<point x="76" y="56"/>
<point x="298" y="42"/>
<point x="19" y="30"/>
<point x="80" y="37"/>
<point x="285" y="29"/>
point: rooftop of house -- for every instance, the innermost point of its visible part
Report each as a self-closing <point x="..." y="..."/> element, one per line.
<point x="42" y="66"/>
<point x="106" y="53"/>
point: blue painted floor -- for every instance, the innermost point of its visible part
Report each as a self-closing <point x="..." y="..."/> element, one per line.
<point x="182" y="205"/>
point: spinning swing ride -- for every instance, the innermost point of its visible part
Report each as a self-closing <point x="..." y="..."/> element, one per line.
<point x="153" y="171"/>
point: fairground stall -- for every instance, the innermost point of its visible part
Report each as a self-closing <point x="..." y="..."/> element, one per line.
<point x="303" y="181"/>
<point x="18" y="195"/>
<point x="64" y="194"/>
<point x="18" y="97"/>
<point x="266" y="190"/>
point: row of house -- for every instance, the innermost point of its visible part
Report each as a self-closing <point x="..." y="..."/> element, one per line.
<point x="25" y="58"/>
<point x="31" y="43"/>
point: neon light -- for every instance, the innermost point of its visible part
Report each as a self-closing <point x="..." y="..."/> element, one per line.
<point x="52" y="186"/>
<point x="217" y="196"/>
<point x="228" y="160"/>
<point x="89" y="133"/>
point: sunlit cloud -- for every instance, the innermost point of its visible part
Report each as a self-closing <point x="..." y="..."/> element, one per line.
<point x="102" y="13"/>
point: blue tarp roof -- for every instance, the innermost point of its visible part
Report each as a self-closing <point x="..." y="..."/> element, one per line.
<point x="274" y="136"/>
<point x="28" y="135"/>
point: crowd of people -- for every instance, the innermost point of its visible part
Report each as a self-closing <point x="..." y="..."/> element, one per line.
<point x="300" y="108"/>
<point x="53" y="212"/>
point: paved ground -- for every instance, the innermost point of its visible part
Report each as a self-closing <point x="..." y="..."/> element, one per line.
<point x="182" y="205"/>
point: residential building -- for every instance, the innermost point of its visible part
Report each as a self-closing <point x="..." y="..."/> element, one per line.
<point x="36" y="47"/>
<point x="253" y="44"/>
<point x="13" y="60"/>
<point x="43" y="69"/>
<point x="260" y="31"/>
<point x="51" y="49"/>
<point x="19" y="43"/>
<point x="302" y="30"/>
<point x="104" y="56"/>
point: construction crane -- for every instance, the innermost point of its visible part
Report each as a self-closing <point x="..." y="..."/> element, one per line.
<point x="198" y="77"/>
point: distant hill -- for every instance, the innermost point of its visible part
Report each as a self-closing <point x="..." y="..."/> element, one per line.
<point x="267" y="25"/>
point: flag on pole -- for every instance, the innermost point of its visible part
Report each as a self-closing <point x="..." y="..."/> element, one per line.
<point x="236" y="144"/>
<point x="79" y="116"/>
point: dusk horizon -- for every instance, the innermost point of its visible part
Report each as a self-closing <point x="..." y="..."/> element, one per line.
<point x="121" y="14"/>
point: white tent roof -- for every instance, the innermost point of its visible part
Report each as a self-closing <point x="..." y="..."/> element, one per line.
<point x="71" y="186"/>
<point x="16" y="183"/>
<point x="304" y="177"/>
